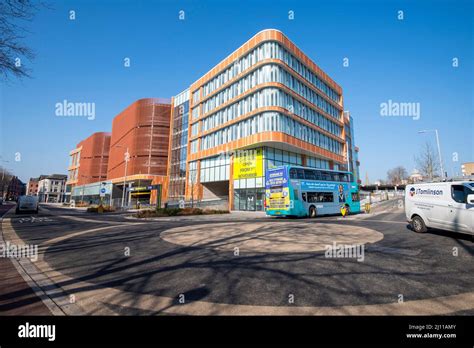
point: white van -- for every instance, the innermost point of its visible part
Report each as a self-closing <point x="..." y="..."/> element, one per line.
<point x="27" y="203"/>
<point x="444" y="205"/>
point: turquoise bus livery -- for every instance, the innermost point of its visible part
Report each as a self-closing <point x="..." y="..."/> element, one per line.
<point x="300" y="191"/>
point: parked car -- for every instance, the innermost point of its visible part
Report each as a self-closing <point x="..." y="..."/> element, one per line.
<point x="27" y="203"/>
<point x="443" y="205"/>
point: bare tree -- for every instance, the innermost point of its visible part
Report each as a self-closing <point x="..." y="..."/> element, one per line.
<point x="427" y="162"/>
<point x="396" y="175"/>
<point x="5" y="178"/>
<point x="14" y="14"/>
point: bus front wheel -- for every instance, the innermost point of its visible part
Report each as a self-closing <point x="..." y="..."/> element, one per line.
<point x="312" y="212"/>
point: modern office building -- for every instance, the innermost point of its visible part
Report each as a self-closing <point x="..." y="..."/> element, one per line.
<point x="265" y="105"/>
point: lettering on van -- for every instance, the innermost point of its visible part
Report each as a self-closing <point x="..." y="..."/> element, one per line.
<point x="428" y="192"/>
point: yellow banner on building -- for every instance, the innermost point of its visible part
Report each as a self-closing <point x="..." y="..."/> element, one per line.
<point x="248" y="163"/>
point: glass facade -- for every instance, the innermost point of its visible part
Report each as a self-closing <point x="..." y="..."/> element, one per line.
<point x="269" y="50"/>
<point x="225" y="99"/>
<point x="179" y="146"/>
<point x="269" y="121"/>
<point x="215" y="168"/>
<point x="271" y="73"/>
<point x="249" y="192"/>
<point x="268" y="89"/>
<point x="269" y="96"/>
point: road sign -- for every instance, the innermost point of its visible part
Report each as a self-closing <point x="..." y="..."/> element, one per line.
<point x="102" y="192"/>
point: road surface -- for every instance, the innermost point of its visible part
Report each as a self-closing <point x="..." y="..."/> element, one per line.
<point x="243" y="263"/>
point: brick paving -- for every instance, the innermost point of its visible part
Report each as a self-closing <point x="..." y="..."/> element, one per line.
<point x="16" y="297"/>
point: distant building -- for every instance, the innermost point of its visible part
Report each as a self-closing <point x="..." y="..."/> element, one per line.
<point x="88" y="162"/>
<point x="52" y="188"/>
<point x="415" y="176"/>
<point x="467" y="169"/>
<point x="32" y="187"/>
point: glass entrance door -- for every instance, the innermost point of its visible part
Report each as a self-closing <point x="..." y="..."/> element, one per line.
<point x="243" y="200"/>
<point x="251" y="200"/>
<point x="259" y="202"/>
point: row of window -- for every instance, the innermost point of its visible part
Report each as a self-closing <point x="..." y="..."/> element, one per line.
<point x="218" y="173"/>
<point x="217" y="168"/>
<point x="317" y="163"/>
<point x="179" y="141"/>
<point x="182" y="97"/>
<point x="74" y="159"/>
<point x="318" y="197"/>
<point x="73" y="174"/>
<point x="314" y="174"/>
<point x="176" y="189"/>
<point x="215" y="161"/>
<point x="267" y="121"/>
<point x="269" y="97"/>
<point x="282" y="156"/>
<point x="265" y="74"/>
<point x="267" y="50"/>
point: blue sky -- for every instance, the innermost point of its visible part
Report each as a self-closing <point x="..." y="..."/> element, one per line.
<point x="407" y="60"/>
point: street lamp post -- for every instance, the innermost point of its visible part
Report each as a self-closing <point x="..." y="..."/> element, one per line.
<point x="439" y="149"/>
<point x="126" y="158"/>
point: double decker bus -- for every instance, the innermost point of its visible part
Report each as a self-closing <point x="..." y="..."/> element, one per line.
<point x="300" y="191"/>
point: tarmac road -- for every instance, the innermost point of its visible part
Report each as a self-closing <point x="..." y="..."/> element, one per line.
<point x="112" y="264"/>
